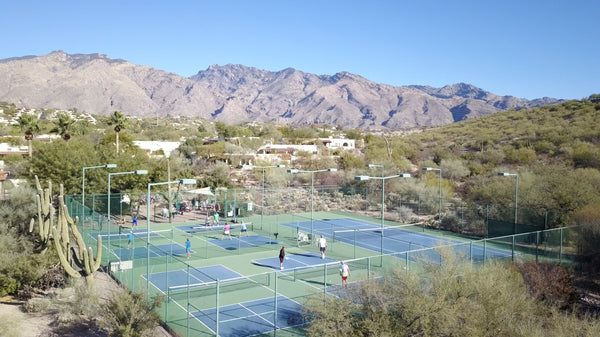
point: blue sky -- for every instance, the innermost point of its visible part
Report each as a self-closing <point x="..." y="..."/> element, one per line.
<point x="527" y="48"/>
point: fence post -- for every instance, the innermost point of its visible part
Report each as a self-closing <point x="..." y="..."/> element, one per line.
<point x="217" y="306"/>
<point x="560" y="247"/>
<point x="188" y="302"/>
<point x="275" y="308"/>
<point x="513" y="247"/>
<point x="537" y="243"/>
<point x="324" y="280"/>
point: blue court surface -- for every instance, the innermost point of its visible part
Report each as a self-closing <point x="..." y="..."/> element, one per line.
<point x="155" y="251"/>
<point x="243" y="242"/>
<point x="368" y="235"/>
<point x="194" y="277"/>
<point x="253" y="317"/>
<point x="294" y="261"/>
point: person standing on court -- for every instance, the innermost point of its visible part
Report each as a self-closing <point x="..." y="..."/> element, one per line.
<point x="216" y="218"/>
<point x="281" y="257"/>
<point x="244" y="228"/>
<point x="226" y="231"/>
<point x="130" y="239"/>
<point x="322" y="243"/>
<point x="134" y="221"/>
<point x="344" y="273"/>
<point x="188" y="247"/>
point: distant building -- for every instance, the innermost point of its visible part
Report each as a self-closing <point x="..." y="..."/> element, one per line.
<point x="338" y="143"/>
<point x="152" y="147"/>
<point x="5" y="149"/>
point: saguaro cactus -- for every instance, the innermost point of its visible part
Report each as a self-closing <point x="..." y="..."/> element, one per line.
<point x="45" y="214"/>
<point x="83" y="258"/>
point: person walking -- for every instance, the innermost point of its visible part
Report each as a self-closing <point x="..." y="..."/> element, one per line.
<point x="216" y="218"/>
<point x="322" y="243"/>
<point x="188" y="247"/>
<point x="226" y="231"/>
<point x="344" y="273"/>
<point x="130" y="239"/>
<point x="281" y="257"/>
<point x="134" y="221"/>
<point x="244" y="229"/>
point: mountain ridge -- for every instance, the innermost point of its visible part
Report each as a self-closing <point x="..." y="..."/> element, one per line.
<point x="232" y="93"/>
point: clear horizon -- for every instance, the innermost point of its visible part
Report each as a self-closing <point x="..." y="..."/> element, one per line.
<point x="527" y="49"/>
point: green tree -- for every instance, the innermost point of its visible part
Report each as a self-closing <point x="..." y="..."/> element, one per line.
<point x="29" y="124"/>
<point x="64" y="124"/>
<point x="120" y="122"/>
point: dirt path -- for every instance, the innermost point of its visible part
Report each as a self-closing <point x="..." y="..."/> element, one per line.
<point x="14" y="322"/>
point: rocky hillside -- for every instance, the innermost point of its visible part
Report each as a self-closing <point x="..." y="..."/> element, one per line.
<point x="98" y="84"/>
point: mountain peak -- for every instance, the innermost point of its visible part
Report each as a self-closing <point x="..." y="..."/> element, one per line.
<point x="234" y="93"/>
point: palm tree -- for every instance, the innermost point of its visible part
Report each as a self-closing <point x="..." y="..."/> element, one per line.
<point x="118" y="120"/>
<point x="63" y="125"/>
<point x="29" y="124"/>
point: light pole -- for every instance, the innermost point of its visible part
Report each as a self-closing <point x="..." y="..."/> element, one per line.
<point x="180" y="181"/>
<point x="506" y="174"/>
<point x="440" y="191"/>
<point x="83" y="188"/>
<point x="108" y="194"/>
<point x="312" y="187"/>
<point x="383" y="179"/>
<point x="262" y="202"/>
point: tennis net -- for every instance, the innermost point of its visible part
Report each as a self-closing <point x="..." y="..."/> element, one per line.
<point x="204" y="289"/>
<point x="406" y="239"/>
<point x="164" y="236"/>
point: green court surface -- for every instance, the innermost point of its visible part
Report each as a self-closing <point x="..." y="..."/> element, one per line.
<point x="191" y="307"/>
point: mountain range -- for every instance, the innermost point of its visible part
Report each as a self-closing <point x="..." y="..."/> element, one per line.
<point x="97" y="84"/>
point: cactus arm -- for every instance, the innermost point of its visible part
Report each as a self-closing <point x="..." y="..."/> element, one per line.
<point x="62" y="257"/>
<point x="98" y="254"/>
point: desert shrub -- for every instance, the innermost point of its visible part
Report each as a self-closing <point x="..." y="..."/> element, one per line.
<point x="37" y="304"/>
<point x="79" y="306"/>
<point x="585" y="155"/>
<point x="455" y="299"/>
<point x="452" y="223"/>
<point x="20" y="269"/>
<point x="550" y="283"/>
<point x="523" y="155"/>
<point x="53" y="277"/>
<point x="588" y="217"/>
<point x="130" y="314"/>
<point x="405" y="214"/>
